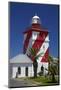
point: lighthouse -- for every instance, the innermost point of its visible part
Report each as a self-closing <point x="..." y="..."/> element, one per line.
<point x="37" y="37"/>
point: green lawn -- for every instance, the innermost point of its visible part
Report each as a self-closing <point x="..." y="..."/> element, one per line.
<point x="42" y="80"/>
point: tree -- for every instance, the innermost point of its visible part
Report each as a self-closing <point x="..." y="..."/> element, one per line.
<point x="52" y="68"/>
<point x="34" y="58"/>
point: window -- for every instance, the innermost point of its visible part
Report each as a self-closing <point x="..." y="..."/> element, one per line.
<point x="34" y="33"/>
<point x="19" y="70"/>
<point x="44" y="47"/>
<point x="26" y="71"/>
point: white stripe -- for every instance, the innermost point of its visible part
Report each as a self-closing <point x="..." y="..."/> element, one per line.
<point x="32" y="40"/>
<point x="29" y="45"/>
<point x="34" y="36"/>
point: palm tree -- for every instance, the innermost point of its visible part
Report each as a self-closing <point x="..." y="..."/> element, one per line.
<point x="34" y="58"/>
<point x="52" y="68"/>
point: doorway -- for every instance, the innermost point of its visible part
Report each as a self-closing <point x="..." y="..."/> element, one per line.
<point x="26" y="71"/>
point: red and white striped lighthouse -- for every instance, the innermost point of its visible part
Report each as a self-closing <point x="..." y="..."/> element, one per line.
<point x="37" y="37"/>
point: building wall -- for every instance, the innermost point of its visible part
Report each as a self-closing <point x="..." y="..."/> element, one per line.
<point x="34" y="35"/>
<point x="25" y="35"/>
<point x="26" y="41"/>
<point x="29" y="46"/>
<point x="14" y="70"/>
<point x="30" y="71"/>
<point x="45" y="65"/>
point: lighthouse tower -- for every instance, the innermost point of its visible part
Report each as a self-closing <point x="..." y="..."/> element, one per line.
<point x="37" y="37"/>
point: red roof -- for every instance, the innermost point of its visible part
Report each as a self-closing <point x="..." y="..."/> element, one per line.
<point x="36" y="27"/>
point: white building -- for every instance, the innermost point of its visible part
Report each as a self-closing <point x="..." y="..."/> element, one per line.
<point x="21" y="66"/>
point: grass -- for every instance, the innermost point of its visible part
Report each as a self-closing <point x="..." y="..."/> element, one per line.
<point x="42" y="80"/>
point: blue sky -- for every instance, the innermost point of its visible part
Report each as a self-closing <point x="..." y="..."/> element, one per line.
<point x="20" y="15"/>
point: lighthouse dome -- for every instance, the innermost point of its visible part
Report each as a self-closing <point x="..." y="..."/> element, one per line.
<point x="35" y="20"/>
<point x="36" y="17"/>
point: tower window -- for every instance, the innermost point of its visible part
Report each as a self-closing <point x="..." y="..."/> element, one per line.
<point x="44" y="47"/>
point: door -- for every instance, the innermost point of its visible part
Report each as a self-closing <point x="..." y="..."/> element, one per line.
<point x="26" y="71"/>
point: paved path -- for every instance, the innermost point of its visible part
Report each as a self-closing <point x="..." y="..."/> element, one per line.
<point x="22" y="83"/>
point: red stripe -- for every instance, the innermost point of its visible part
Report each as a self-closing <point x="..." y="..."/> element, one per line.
<point x="39" y="41"/>
<point x="45" y="57"/>
<point x="27" y="41"/>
